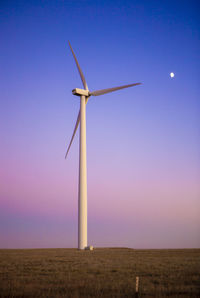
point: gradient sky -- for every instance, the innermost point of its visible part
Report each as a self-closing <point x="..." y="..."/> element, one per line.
<point x="143" y="146"/>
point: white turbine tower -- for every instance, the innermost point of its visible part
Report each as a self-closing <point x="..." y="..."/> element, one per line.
<point x="82" y="193"/>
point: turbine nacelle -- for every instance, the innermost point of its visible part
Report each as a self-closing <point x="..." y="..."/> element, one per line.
<point x="79" y="92"/>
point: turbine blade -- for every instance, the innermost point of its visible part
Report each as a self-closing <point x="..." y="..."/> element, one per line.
<point x="74" y="132"/>
<point x="79" y="69"/>
<point x="104" y="91"/>
<point x="75" y="129"/>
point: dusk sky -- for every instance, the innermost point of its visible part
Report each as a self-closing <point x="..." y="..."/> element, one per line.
<point x="143" y="146"/>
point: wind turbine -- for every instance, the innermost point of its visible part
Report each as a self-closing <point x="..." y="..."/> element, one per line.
<point x="82" y="192"/>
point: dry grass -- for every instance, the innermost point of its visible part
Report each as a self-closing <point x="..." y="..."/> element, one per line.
<point x="104" y="272"/>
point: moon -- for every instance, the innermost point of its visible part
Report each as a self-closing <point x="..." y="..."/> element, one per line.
<point x="171" y="74"/>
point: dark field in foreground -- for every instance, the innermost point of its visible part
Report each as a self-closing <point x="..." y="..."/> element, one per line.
<point x="104" y="272"/>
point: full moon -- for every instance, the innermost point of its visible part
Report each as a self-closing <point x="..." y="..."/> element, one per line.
<point x="171" y="74"/>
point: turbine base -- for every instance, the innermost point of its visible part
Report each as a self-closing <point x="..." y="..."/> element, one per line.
<point x="90" y="247"/>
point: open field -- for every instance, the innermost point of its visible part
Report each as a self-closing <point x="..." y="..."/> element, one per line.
<point x="104" y="272"/>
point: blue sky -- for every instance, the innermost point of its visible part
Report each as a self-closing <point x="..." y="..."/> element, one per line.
<point x="142" y="143"/>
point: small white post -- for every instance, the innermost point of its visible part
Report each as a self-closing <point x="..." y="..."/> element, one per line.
<point x="137" y="286"/>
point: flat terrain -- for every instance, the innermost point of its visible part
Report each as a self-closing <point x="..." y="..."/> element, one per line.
<point x="104" y="272"/>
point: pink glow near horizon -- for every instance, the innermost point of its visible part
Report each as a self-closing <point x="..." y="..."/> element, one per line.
<point x="157" y="201"/>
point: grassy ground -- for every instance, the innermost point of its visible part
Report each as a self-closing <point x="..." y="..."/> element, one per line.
<point x="104" y="272"/>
